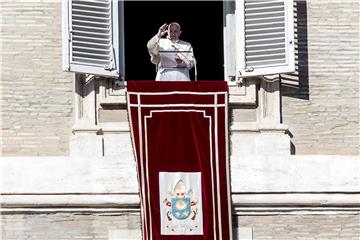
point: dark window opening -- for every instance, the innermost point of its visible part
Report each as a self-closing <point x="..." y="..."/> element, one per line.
<point x="202" y="26"/>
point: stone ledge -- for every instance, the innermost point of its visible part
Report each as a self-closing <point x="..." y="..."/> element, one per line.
<point x="249" y="174"/>
<point x="128" y="201"/>
<point x="257" y="127"/>
<point x="314" y="199"/>
<point x="110" y="127"/>
<point x="72" y="200"/>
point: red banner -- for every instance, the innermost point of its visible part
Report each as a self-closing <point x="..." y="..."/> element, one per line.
<point x="180" y="133"/>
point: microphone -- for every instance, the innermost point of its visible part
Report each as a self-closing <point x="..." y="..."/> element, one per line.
<point x="188" y="61"/>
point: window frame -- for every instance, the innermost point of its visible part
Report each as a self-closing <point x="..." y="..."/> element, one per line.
<point x="240" y="43"/>
<point x="117" y="43"/>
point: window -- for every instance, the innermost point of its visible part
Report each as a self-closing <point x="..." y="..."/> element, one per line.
<point x="91" y="40"/>
<point x="264" y="37"/>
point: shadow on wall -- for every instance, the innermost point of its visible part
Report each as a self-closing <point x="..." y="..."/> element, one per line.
<point x="296" y="85"/>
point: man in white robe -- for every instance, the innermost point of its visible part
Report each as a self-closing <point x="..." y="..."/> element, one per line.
<point x="172" y="56"/>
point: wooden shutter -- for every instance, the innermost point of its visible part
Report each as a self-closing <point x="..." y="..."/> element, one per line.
<point x="264" y="37"/>
<point x="91" y="37"/>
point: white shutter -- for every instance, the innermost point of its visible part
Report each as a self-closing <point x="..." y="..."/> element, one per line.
<point x="91" y="37"/>
<point x="264" y="37"/>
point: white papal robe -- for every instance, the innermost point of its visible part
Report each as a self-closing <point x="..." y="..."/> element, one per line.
<point x="181" y="48"/>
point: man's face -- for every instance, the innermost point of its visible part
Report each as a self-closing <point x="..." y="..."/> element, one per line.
<point x="174" y="32"/>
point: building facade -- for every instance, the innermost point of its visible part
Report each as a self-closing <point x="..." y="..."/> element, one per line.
<point x="67" y="165"/>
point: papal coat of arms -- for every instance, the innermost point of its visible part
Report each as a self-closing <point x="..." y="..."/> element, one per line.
<point x="182" y="209"/>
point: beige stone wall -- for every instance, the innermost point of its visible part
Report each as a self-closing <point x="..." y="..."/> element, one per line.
<point x="36" y="95"/>
<point x="321" y="109"/>
<point x="309" y="227"/>
<point x="65" y="225"/>
<point x="100" y="226"/>
<point x="322" y="112"/>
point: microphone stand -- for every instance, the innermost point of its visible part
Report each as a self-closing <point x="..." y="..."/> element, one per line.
<point x="195" y="69"/>
<point x="192" y="56"/>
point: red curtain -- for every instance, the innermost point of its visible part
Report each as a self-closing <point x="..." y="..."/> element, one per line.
<point x="180" y="138"/>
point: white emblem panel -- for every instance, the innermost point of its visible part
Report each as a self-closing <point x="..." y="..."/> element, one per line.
<point x="181" y="210"/>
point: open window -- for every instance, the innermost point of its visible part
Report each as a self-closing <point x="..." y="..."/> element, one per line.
<point x="92" y="37"/>
<point x="264" y="37"/>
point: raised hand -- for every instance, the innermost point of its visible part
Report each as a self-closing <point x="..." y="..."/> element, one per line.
<point x="162" y="30"/>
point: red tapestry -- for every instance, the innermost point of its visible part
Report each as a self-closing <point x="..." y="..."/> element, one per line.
<point x="180" y="138"/>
